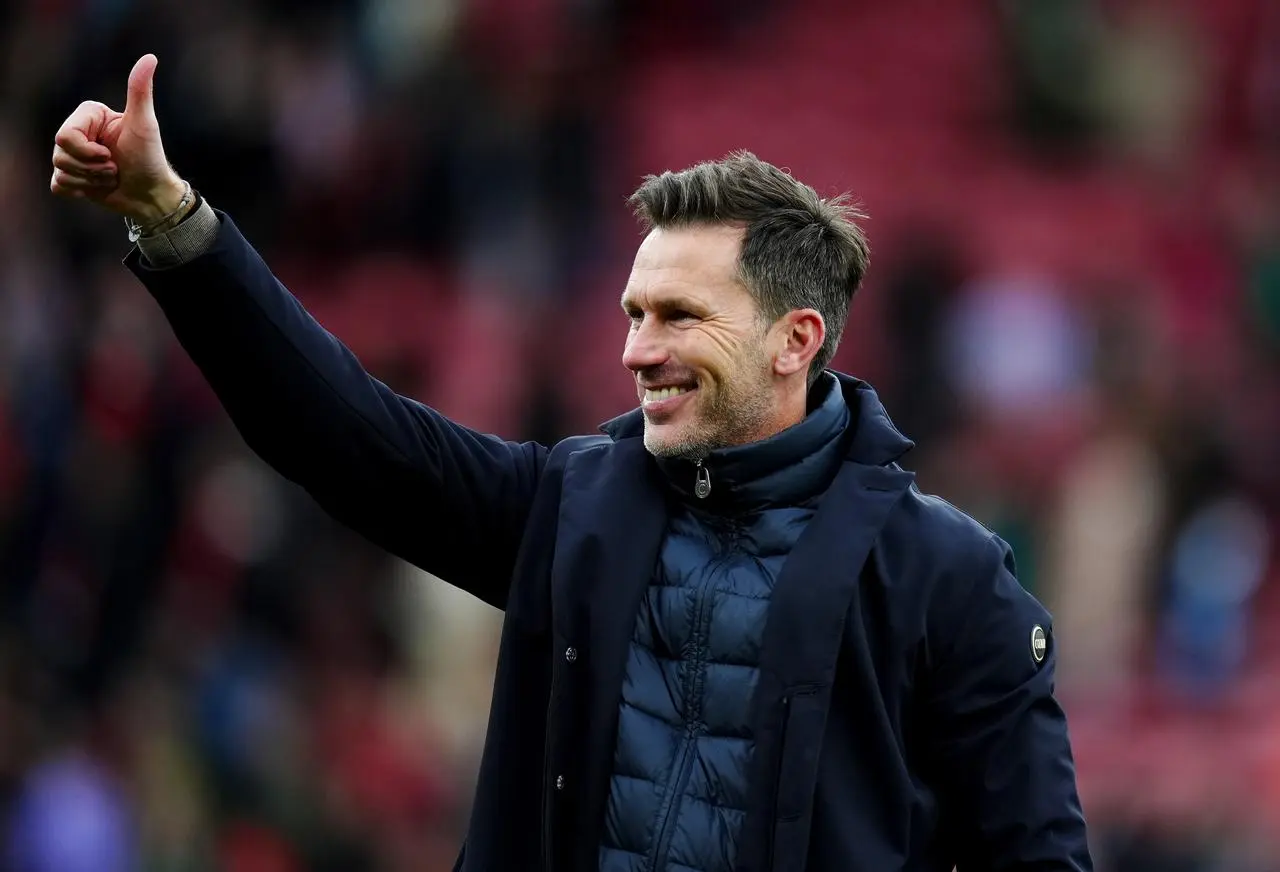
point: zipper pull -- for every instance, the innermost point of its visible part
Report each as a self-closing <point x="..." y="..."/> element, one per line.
<point x="702" y="481"/>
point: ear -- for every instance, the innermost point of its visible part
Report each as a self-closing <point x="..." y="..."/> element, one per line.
<point x="800" y="334"/>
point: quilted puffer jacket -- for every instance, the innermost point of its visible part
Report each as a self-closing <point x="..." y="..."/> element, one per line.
<point x="678" y="791"/>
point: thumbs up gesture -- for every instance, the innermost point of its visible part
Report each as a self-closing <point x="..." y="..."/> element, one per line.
<point x="116" y="159"/>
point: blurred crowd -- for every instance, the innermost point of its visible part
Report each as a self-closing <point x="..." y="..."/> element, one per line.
<point x="1074" y="309"/>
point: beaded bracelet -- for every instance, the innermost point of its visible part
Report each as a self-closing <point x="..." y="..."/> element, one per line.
<point x="137" y="231"/>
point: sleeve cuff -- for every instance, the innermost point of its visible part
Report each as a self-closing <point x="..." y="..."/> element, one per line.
<point x="184" y="243"/>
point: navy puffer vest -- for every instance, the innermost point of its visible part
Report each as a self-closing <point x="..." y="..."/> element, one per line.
<point x="684" y="743"/>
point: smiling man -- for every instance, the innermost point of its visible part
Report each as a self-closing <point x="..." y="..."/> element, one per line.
<point x="737" y="638"/>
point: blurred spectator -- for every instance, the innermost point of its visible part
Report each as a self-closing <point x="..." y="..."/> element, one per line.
<point x="1054" y="52"/>
<point x="1102" y="536"/>
<point x="72" y="816"/>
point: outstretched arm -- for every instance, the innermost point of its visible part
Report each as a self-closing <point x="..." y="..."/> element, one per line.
<point x="435" y="493"/>
<point x="431" y="491"/>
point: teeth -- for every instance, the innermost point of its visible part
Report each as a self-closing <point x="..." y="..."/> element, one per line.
<point x="652" y="396"/>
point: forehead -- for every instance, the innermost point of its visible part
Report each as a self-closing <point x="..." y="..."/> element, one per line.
<point x="698" y="262"/>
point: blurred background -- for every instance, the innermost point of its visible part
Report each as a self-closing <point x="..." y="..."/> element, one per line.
<point x="1073" y="308"/>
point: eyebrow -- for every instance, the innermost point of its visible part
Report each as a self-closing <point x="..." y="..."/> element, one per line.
<point x="667" y="304"/>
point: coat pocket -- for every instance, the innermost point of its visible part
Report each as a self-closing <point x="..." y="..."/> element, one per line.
<point x="803" y="719"/>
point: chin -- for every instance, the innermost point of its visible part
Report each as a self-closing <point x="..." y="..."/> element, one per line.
<point x="665" y="440"/>
<point x="660" y="441"/>
<point x="659" y="444"/>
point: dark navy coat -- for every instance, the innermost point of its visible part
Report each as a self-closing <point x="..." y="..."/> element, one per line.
<point x="903" y="718"/>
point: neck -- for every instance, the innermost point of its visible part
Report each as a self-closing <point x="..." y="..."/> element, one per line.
<point x="791" y="408"/>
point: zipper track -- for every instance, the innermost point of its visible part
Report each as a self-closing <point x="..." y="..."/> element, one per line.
<point x="694" y="689"/>
<point x="680" y="777"/>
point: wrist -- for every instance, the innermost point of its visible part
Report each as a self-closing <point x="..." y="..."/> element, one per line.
<point x="161" y="201"/>
<point x="165" y="210"/>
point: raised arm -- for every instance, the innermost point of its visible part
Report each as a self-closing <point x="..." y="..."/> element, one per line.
<point x="437" y="494"/>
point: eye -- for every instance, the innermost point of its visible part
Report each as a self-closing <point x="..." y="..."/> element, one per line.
<point x="681" y="315"/>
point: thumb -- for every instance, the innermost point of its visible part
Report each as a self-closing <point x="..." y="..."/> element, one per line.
<point x="139" y="105"/>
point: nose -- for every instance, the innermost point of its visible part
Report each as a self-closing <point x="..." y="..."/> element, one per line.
<point x="644" y="348"/>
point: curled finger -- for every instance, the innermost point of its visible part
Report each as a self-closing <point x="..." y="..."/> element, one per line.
<point x="79" y="133"/>
<point x="77" y="144"/>
<point x="66" y="183"/>
<point x="86" y="180"/>
<point x="63" y="160"/>
<point x="60" y="189"/>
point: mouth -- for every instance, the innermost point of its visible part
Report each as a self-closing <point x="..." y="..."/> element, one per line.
<point x="664" y="398"/>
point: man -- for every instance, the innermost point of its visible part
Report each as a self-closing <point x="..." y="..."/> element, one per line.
<point x="736" y="637"/>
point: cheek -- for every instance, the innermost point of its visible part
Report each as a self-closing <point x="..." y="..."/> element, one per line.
<point x="719" y="353"/>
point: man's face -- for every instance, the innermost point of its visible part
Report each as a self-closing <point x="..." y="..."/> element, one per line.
<point x="697" y="345"/>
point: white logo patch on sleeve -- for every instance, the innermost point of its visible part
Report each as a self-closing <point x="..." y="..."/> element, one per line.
<point x="1039" y="643"/>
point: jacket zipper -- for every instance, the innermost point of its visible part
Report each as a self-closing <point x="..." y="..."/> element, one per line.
<point x="680" y="775"/>
<point x="684" y="761"/>
<point x="701" y="481"/>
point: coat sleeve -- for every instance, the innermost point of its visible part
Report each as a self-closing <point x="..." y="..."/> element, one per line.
<point x="1000" y="736"/>
<point x="439" y="495"/>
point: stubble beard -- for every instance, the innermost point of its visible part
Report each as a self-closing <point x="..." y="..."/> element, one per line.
<point x="736" y="415"/>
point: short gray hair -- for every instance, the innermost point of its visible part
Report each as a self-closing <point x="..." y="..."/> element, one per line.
<point x="799" y="251"/>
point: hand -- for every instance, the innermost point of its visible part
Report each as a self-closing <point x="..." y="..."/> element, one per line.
<point x="116" y="159"/>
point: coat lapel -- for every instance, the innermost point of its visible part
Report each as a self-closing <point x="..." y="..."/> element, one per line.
<point x="612" y="518"/>
<point x="816" y="586"/>
<point x="814" y="597"/>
